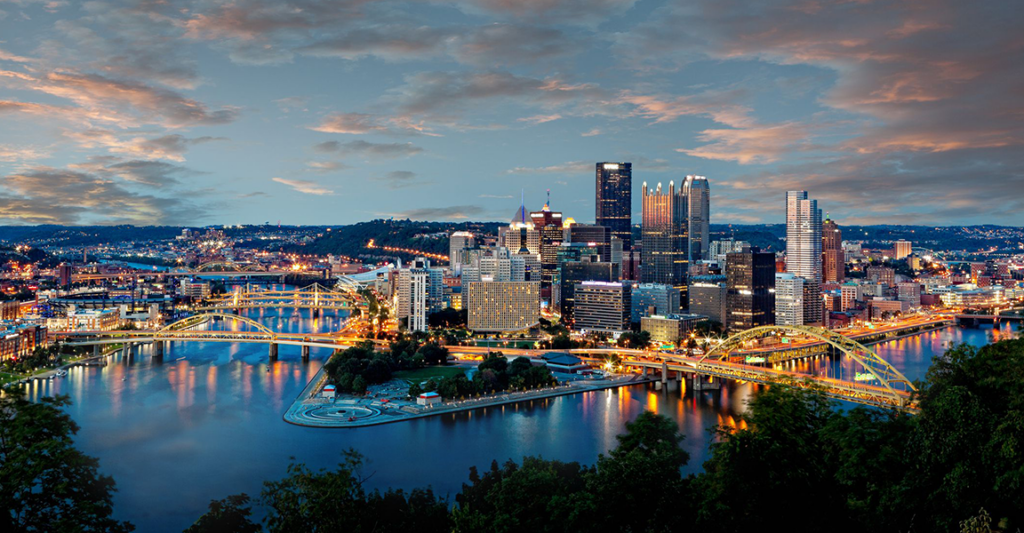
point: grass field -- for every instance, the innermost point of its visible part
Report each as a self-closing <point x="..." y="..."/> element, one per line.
<point x="423" y="374"/>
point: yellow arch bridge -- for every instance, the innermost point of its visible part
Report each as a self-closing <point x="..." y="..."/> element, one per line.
<point x="315" y="297"/>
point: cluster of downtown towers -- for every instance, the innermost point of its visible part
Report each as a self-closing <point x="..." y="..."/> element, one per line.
<point x="675" y="227"/>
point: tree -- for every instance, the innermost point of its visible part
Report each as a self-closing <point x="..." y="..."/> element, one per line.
<point x="359" y="385"/>
<point x="433" y="354"/>
<point x="643" y="471"/>
<point x="46" y="484"/>
<point x="230" y="515"/>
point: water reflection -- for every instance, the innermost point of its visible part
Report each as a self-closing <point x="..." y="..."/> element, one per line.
<point x="206" y="421"/>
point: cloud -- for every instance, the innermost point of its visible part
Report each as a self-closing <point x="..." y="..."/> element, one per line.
<point x="361" y="123"/>
<point x="172" y="147"/>
<point x="512" y="44"/>
<point x="498" y="196"/>
<point x="47" y="195"/>
<point x="368" y="149"/>
<point x="14" y="154"/>
<point x="124" y="103"/>
<point x="325" y="167"/>
<point x="391" y="42"/>
<point x="754" y="144"/>
<point x="570" y="167"/>
<point x="305" y="186"/>
<point x="398" y="179"/>
<point x="540" y="119"/>
<point x="591" y="133"/>
<point x="292" y="103"/>
<point x="7" y="56"/>
<point x="458" y="212"/>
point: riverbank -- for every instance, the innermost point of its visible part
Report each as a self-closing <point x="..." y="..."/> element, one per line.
<point x="50" y="373"/>
<point x="310" y="410"/>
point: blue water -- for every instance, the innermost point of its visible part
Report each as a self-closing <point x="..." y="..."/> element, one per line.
<point x="206" y="422"/>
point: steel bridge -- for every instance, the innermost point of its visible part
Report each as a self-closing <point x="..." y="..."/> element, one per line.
<point x="887" y="387"/>
<point x="315" y="297"/>
<point x="182" y="331"/>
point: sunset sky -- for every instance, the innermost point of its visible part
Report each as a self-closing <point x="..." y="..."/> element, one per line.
<point x="328" y="112"/>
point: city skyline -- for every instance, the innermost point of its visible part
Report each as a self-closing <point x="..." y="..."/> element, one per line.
<point x="310" y="112"/>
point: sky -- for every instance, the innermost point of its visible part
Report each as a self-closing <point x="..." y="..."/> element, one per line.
<point x="336" y="111"/>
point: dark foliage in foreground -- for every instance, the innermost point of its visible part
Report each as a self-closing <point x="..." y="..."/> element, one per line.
<point x="45" y="483"/>
<point x="800" y="463"/>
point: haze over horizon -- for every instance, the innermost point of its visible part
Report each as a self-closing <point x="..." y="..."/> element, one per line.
<point x="332" y="112"/>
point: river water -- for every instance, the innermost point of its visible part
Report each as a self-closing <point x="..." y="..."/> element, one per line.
<point x="206" y="422"/>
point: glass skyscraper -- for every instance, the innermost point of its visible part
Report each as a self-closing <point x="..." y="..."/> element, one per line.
<point x="698" y="202"/>
<point x="665" y="238"/>
<point x="803" y="250"/>
<point x="614" y="201"/>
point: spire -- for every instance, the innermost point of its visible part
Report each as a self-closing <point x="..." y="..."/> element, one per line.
<point x="522" y="204"/>
<point x="547" y="204"/>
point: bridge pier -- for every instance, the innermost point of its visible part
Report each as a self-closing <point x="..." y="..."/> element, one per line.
<point x="664" y="373"/>
<point x="305" y="354"/>
<point x="699" y="383"/>
<point x="158" y="348"/>
<point x="273" y="351"/>
<point x="126" y="350"/>
<point x="316" y="312"/>
<point x="97" y="350"/>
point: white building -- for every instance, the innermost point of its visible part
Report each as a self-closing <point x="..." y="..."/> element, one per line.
<point x="789" y="300"/>
<point x="420" y="293"/>
<point x="457" y="242"/>
<point x="803" y="250"/>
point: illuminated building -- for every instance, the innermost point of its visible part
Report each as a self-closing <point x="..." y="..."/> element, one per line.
<point x="653" y="299"/>
<point x="457" y="242"/>
<point x="664" y="241"/>
<point x="901" y="249"/>
<point x="789" y="300"/>
<point x="670" y="329"/>
<point x="750" y="284"/>
<point x="708" y="296"/>
<point x="613" y="205"/>
<point x="803" y="250"/>
<point x="602" y="307"/>
<point x="698" y="212"/>
<point x="502" y="306"/>
<point x="833" y="260"/>
<point x="420" y="293"/>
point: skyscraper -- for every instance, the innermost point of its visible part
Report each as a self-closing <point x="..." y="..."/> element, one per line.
<point x="665" y="232"/>
<point x="750" y="283"/>
<point x="549" y="225"/>
<point x="698" y="207"/>
<point x="833" y="260"/>
<point x="614" y="200"/>
<point x="789" y="299"/>
<point x="803" y="250"/>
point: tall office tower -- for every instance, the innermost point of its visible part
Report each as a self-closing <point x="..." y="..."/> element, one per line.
<point x="614" y="202"/>
<point x="599" y="236"/>
<point x="833" y="259"/>
<point x="750" y="285"/>
<point x="603" y="306"/>
<point x="901" y="249"/>
<point x="458" y="241"/>
<point x="789" y="300"/>
<point x="698" y="213"/>
<point x="665" y="238"/>
<point x="708" y="296"/>
<point x="504" y="306"/>
<point x="803" y="251"/>
<point x="549" y="225"/>
<point x="653" y="299"/>
<point x="420" y="293"/>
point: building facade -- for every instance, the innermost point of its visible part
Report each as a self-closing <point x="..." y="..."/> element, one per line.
<point x="698" y="213"/>
<point x="420" y="293"/>
<point x="653" y="299"/>
<point x="803" y="250"/>
<point x="750" y="281"/>
<point x="789" y="299"/>
<point x="665" y="238"/>
<point x="502" y="306"/>
<point x="602" y="307"/>
<point x="833" y="259"/>
<point x="708" y="297"/>
<point x="613" y="206"/>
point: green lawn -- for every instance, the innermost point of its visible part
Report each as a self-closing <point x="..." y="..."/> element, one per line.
<point x="423" y="374"/>
<point x="6" y="378"/>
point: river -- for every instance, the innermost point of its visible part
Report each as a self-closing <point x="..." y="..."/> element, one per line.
<point x="206" y="422"/>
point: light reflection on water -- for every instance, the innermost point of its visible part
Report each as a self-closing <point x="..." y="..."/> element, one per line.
<point x="206" y="421"/>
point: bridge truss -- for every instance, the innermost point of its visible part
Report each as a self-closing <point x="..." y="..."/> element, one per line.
<point x="315" y="297"/>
